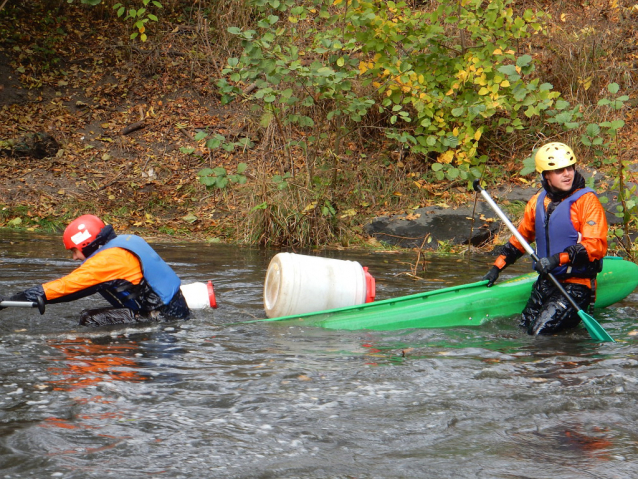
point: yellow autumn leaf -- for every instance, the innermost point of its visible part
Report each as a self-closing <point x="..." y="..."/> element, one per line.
<point x="310" y="207"/>
<point x="482" y="80"/>
<point x="498" y="51"/>
<point x="455" y="132"/>
<point x="350" y="212"/>
<point x="462" y="75"/>
<point x="505" y="83"/>
<point x="477" y="135"/>
<point x="446" y="157"/>
<point x="586" y="83"/>
<point x="483" y="91"/>
<point x="337" y="2"/>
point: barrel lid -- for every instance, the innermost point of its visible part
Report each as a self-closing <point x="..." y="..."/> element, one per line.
<point x="211" y="295"/>
<point x="370" y="286"/>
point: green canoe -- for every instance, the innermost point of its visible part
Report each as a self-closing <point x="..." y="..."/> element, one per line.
<point x="465" y="305"/>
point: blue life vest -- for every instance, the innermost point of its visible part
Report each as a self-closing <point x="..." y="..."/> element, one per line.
<point x="560" y="234"/>
<point x="159" y="275"/>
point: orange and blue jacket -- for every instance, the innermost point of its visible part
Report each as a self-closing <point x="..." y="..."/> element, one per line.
<point x="111" y="269"/>
<point x="588" y="218"/>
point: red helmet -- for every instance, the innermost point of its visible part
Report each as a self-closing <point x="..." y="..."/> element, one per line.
<point x="82" y="231"/>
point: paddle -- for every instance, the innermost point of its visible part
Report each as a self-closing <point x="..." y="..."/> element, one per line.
<point x="596" y="331"/>
<point x="24" y="304"/>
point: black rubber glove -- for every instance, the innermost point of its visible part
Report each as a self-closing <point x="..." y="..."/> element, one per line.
<point x="492" y="276"/>
<point x="546" y="265"/>
<point x="34" y="295"/>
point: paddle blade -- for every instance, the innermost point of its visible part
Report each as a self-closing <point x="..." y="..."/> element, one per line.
<point x="596" y="331"/>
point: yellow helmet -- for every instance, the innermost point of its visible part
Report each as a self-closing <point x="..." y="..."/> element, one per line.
<point x="554" y="156"/>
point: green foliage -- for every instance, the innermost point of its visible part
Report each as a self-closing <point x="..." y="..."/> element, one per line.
<point x="216" y="141"/>
<point x="602" y="141"/>
<point x="138" y="16"/>
<point x="281" y="181"/>
<point x="438" y="79"/>
<point x="464" y="171"/>
<point x="218" y="178"/>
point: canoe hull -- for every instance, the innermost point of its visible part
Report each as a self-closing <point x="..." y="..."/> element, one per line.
<point x="467" y="305"/>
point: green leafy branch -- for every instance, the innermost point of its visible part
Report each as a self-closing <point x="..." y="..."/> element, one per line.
<point x="438" y="79"/>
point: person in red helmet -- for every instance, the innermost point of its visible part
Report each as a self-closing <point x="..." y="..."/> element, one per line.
<point x="568" y="224"/>
<point x="124" y="269"/>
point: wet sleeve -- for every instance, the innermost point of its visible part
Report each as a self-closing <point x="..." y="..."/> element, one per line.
<point x="509" y="255"/>
<point x="588" y="215"/>
<point x="108" y="265"/>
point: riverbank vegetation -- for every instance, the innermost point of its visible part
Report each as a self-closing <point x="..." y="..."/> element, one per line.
<point x="292" y="123"/>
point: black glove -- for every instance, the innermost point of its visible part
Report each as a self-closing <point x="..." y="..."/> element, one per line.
<point x="33" y="295"/>
<point x="492" y="276"/>
<point x="546" y="265"/>
<point x="1" y="300"/>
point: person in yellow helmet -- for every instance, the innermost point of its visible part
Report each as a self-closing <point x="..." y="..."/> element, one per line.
<point x="569" y="226"/>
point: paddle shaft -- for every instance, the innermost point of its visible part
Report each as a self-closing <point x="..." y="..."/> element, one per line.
<point x="24" y="304"/>
<point x="18" y="304"/>
<point x="522" y="241"/>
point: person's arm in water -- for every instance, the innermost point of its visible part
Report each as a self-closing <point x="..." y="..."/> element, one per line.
<point x="94" y="275"/>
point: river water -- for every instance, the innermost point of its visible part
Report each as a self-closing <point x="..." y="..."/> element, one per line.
<point x="222" y="397"/>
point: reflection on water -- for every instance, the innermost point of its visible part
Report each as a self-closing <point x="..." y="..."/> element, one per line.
<point x="88" y="361"/>
<point x="220" y="397"/>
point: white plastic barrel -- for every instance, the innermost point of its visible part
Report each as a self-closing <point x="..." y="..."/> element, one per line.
<point x="199" y="295"/>
<point x="297" y="284"/>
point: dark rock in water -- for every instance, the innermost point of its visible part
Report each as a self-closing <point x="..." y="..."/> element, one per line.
<point x="440" y="224"/>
